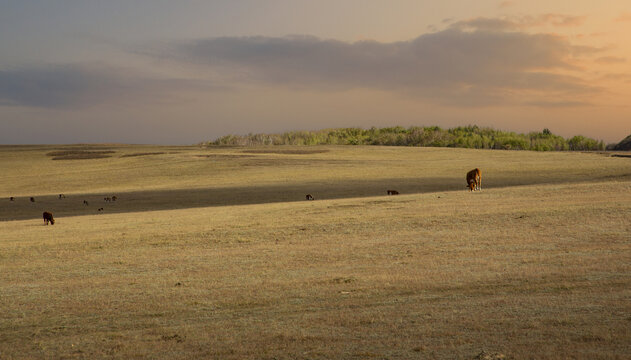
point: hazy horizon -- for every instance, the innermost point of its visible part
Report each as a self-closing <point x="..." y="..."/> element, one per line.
<point x="269" y="133"/>
<point x="159" y="72"/>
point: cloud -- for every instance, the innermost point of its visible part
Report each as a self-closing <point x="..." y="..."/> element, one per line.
<point x="619" y="77"/>
<point x="82" y="85"/>
<point x="624" y="17"/>
<point x="514" y="23"/>
<point x="506" y="4"/>
<point x="559" y="20"/>
<point x="556" y="104"/>
<point x="487" y="24"/>
<point x="477" y="62"/>
<point x="610" y="60"/>
<point x="59" y="86"/>
<point x="483" y="65"/>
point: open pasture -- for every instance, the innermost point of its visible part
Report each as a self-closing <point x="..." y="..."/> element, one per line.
<point x="146" y="178"/>
<point x="214" y="253"/>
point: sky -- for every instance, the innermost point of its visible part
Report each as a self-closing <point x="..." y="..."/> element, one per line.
<point x="188" y="71"/>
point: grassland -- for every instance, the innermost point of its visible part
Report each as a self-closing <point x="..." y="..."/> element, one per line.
<point x="213" y="253"/>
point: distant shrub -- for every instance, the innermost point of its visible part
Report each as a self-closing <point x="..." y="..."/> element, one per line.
<point x="471" y="136"/>
<point x="581" y="143"/>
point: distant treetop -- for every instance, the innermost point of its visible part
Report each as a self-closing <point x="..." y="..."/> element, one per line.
<point x="471" y="136"/>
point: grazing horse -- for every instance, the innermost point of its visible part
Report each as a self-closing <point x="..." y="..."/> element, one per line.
<point x="114" y="198"/>
<point x="471" y="185"/>
<point x="100" y="209"/>
<point x="474" y="176"/>
<point x="393" y="192"/>
<point x="62" y="196"/>
<point x="107" y="198"/>
<point x="11" y="198"/>
<point x="309" y="197"/>
<point x="85" y="202"/>
<point x="48" y="217"/>
<point x="32" y="199"/>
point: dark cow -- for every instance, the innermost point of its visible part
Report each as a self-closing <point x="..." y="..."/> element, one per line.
<point x="100" y="209"/>
<point x="309" y="197"/>
<point x="62" y="196"/>
<point x="114" y="198"/>
<point x="48" y="217"/>
<point x="107" y="198"/>
<point x="32" y="199"/>
<point x="393" y="192"/>
<point x="11" y="198"/>
<point x="85" y="202"/>
<point x="474" y="179"/>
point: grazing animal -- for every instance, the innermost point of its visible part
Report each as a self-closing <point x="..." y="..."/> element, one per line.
<point x="85" y="202"/>
<point x="62" y="196"/>
<point x="100" y="209"/>
<point x="114" y="198"/>
<point x="309" y="197"/>
<point x="48" y="217"/>
<point x="471" y="185"/>
<point x="107" y="199"/>
<point x="11" y="198"/>
<point x="32" y="199"/>
<point x="474" y="176"/>
<point x="393" y="192"/>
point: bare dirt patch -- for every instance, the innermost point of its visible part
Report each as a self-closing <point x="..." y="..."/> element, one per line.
<point x="87" y="147"/>
<point x="286" y="151"/>
<point x="142" y="154"/>
<point x="224" y="156"/>
<point x="79" y="154"/>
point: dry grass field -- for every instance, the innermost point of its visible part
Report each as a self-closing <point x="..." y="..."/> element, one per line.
<point x="214" y="253"/>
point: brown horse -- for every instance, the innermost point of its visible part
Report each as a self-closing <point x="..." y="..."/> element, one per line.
<point x="474" y="176"/>
<point x="471" y="185"/>
<point x="48" y="217"/>
<point x="393" y="192"/>
<point x="309" y="197"/>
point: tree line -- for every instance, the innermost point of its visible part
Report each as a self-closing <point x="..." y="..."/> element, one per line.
<point x="460" y="137"/>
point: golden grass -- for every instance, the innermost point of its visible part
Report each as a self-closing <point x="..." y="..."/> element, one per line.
<point x="537" y="265"/>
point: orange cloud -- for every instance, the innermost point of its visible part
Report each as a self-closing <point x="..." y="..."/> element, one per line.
<point x="457" y="67"/>
<point x="624" y="17"/>
<point x="610" y="60"/>
<point x="519" y="22"/>
<point x="626" y="78"/>
<point x="563" y="20"/>
<point x="476" y="62"/>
